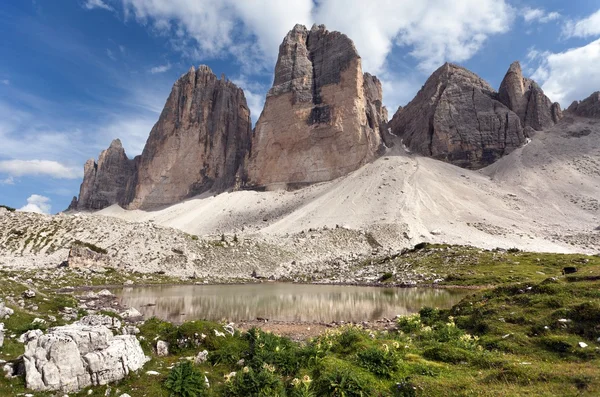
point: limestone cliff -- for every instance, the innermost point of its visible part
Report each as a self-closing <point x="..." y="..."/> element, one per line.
<point x="456" y="118"/>
<point x="322" y="117"/>
<point x="589" y="107"/>
<point x="109" y="181"/>
<point x="198" y="143"/>
<point x="524" y="97"/>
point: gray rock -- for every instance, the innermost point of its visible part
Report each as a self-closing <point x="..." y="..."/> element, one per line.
<point x="527" y="99"/>
<point x="28" y="294"/>
<point x="131" y="313"/>
<point x="202" y="357"/>
<point x="162" y="348"/>
<point x="5" y="312"/>
<point x="589" y="107"/>
<point x="456" y="118"/>
<point x="199" y="142"/>
<point x="109" y="181"/>
<point x="82" y="257"/>
<point x="1" y="334"/>
<point x="76" y="356"/>
<point x="100" y="319"/>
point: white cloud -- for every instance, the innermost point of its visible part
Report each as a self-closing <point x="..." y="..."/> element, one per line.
<point x="570" y="75"/>
<point x="538" y="15"/>
<point x="38" y="204"/>
<point x="585" y="27"/>
<point x="49" y="168"/>
<point x="433" y="31"/>
<point x="160" y="69"/>
<point x="92" y="4"/>
<point x="7" y="181"/>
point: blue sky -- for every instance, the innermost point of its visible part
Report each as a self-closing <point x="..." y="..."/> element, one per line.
<point x="75" y="74"/>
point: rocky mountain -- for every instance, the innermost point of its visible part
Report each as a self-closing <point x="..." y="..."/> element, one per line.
<point x="589" y="107"/>
<point x="111" y="180"/>
<point x="524" y="97"/>
<point x="457" y="118"/>
<point x="322" y="118"/>
<point x="198" y="143"/>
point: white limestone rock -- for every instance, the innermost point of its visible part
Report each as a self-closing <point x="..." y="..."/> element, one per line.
<point x="100" y="319"/>
<point x="76" y="356"/>
<point x="162" y="348"/>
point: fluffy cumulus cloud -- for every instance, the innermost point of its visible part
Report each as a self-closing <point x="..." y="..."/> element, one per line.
<point x="585" y="27"/>
<point x="569" y="75"/>
<point x="434" y="31"/>
<point x="49" y="168"/>
<point x="38" y="204"/>
<point x="539" y="15"/>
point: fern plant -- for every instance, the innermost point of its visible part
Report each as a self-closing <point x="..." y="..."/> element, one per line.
<point x="185" y="381"/>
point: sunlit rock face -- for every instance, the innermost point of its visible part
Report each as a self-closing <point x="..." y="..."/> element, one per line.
<point x="322" y="118"/>
<point x="456" y="117"/>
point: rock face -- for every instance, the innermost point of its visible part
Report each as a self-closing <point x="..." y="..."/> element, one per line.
<point x="524" y="97"/>
<point x="109" y="181"/>
<point x="83" y="257"/>
<point x="589" y="107"/>
<point x="76" y="356"/>
<point x="198" y="143"/>
<point x="456" y="118"/>
<point x="322" y="117"/>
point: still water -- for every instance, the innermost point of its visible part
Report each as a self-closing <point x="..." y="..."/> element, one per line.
<point x="283" y="302"/>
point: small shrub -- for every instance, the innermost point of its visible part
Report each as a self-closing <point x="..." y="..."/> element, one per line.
<point x="185" y="381"/>
<point x="409" y="324"/>
<point x="385" y="277"/>
<point x="91" y="246"/>
<point x="11" y="209"/>
<point x="251" y="383"/>
<point x="429" y="315"/>
<point x="404" y="388"/>
<point x="341" y="383"/>
<point x="379" y="361"/>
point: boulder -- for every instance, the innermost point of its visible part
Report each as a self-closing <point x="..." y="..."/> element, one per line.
<point x="131" y="314"/>
<point x="527" y="99"/>
<point x="95" y="320"/>
<point x="202" y="357"/>
<point x="322" y="117"/>
<point x="5" y="312"/>
<point x="199" y="142"/>
<point x="76" y="356"/>
<point x="109" y="181"/>
<point x="456" y="118"/>
<point x="1" y="334"/>
<point x="162" y="348"/>
<point x="28" y="294"/>
<point x="589" y="107"/>
<point x="83" y="257"/>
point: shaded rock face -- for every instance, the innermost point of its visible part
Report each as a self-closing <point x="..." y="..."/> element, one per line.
<point x="456" y="118"/>
<point x="589" y="107"/>
<point x="76" y="356"/>
<point x="109" y="181"/>
<point x="198" y="144"/>
<point x="524" y="97"/>
<point x="322" y="117"/>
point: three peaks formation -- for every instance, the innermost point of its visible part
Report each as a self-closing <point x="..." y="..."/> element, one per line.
<point x="323" y="118"/>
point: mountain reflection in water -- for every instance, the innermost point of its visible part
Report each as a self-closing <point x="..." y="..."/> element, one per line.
<point x="283" y="302"/>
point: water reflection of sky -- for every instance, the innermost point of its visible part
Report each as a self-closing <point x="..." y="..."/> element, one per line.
<point x="283" y="302"/>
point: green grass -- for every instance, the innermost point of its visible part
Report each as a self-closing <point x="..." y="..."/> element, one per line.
<point x="507" y="340"/>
